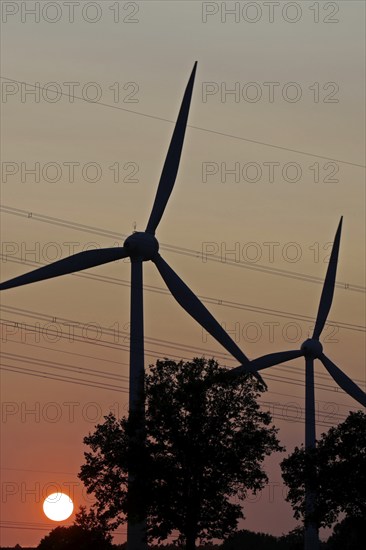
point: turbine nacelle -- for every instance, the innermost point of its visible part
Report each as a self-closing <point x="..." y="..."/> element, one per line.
<point x="142" y="246"/>
<point x="312" y="348"/>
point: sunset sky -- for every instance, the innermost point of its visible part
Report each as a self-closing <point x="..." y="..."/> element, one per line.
<point x="273" y="156"/>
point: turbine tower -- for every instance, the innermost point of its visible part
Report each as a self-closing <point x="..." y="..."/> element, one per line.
<point x="141" y="247"/>
<point x="312" y="349"/>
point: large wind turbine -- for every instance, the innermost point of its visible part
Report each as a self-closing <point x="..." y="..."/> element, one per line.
<point x="312" y="349"/>
<point x="141" y="247"/>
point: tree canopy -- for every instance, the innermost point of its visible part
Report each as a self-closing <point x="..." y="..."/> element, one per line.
<point x="337" y="467"/>
<point x="349" y="534"/>
<point x="87" y="533"/>
<point x="206" y="441"/>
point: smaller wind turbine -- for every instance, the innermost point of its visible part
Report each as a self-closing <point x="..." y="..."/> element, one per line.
<point x="312" y="349"/>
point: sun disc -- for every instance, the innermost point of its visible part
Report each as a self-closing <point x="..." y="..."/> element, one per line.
<point x="58" y="506"/>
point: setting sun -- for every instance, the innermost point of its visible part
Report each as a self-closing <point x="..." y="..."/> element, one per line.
<point x="58" y="506"/>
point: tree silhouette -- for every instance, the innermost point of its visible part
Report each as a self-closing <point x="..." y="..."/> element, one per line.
<point x="249" y="539"/>
<point x="87" y="533"/>
<point x="349" y="534"/>
<point x="72" y="538"/>
<point x="91" y="522"/>
<point x="294" y="540"/>
<point x="337" y="467"/>
<point x="205" y="444"/>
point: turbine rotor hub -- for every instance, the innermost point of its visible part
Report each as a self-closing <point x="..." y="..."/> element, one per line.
<point x="142" y="246"/>
<point x="312" y="348"/>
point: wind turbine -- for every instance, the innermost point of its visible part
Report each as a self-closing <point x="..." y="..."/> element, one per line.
<point x="141" y="247"/>
<point x="312" y="349"/>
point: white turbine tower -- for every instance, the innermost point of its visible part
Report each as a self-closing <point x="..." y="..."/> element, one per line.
<point x="141" y="247"/>
<point x="312" y="349"/>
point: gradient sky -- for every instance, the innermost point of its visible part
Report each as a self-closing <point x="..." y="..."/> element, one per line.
<point x="151" y="60"/>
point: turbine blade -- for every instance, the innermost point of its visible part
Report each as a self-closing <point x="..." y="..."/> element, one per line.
<point x="267" y="361"/>
<point x="343" y="380"/>
<point x="328" y="288"/>
<point x="196" y="309"/>
<point x="77" y="262"/>
<point x="275" y="359"/>
<point x="170" y="168"/>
